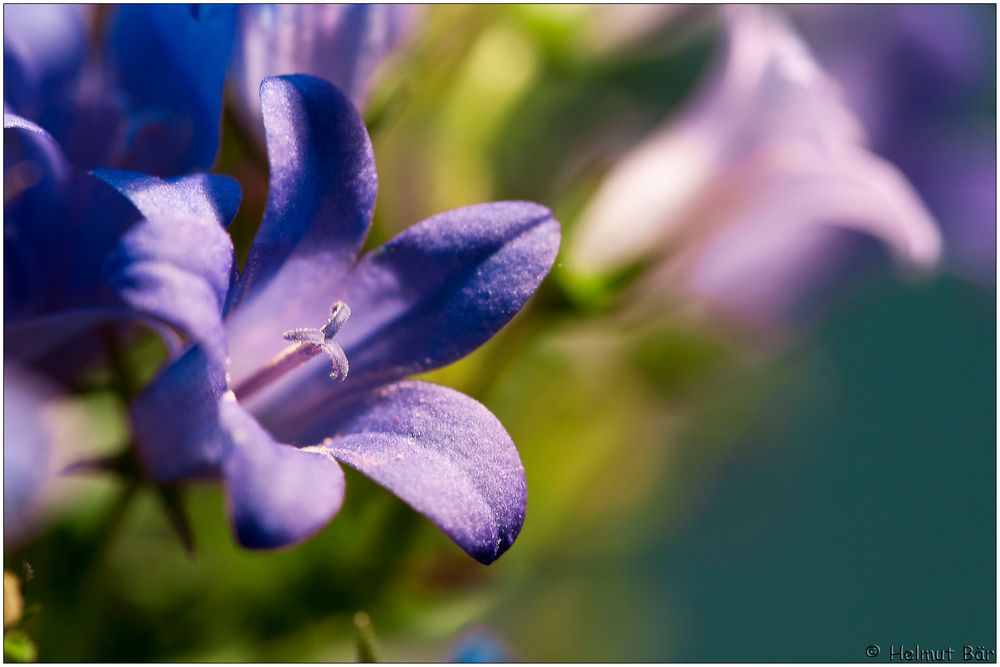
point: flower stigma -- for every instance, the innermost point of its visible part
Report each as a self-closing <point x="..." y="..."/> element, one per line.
<point x="306" y="344"/>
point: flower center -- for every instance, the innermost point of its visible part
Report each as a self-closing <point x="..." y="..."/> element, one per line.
<point x="306" y="344"/>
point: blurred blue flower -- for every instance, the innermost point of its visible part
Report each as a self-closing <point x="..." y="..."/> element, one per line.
<point x="256" y="405"/>
<point x="922" y="79"/>
<point x="479" y="647"/>
<point x="746" y="196"/>
<point x="79" y="254"/>
<point x="147" y="98"/>
<point x="343" y="44"/>
<point x="80" y="261"/>
<point x="127" y="87"/>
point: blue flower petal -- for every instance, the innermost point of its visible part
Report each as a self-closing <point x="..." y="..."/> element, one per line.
<point x="208" y="196"/>
<point x="441" y="452"/>
<point x="425" y="299"/>
<point x="177" y="264"/>
<point x="320" y="201"/>
<point x="59" y="222"/>
<point x="36" y="177"/>
<point x="171" y="63"/>
<point x="278" y="495"/>
<point x="480" y="647"/>
<point x="187" y="425"/>
<point x="343" y="44"/>
<point x="44" y="48"/>
<point x="445" y="286"/>
<point x="176" y="422"/>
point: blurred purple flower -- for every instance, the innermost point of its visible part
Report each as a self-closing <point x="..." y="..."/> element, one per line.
<point x="79" y="254"/>
<point x="343" y="44"/>
<point x="923" y="80"/>
<point x="81" y="259"/>
<point x="256" y="405"/>
<point x="27" y="449"/>
<point x="745" y="196"/>
<point x="149" y="98"/>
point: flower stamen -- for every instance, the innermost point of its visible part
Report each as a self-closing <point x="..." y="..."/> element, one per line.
<point x="308" y="343"/>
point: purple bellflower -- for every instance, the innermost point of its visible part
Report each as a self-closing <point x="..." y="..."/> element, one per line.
<point x="81" y="260"/>
<point x="343" y="44"/>
<point x="79" y="254"/>
<point x="922" y="79"/>
<point x="149" y="98"/>
<point x="143" y="93"/>
<point x="306" y="369"/>
<point x="745" y="198"/>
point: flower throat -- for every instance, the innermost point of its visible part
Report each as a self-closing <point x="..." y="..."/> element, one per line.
<point x="306" y="344"/>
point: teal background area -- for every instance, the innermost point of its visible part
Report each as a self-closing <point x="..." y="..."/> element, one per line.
<point x="872" y="519"/>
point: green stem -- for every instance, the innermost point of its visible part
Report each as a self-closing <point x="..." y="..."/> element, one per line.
<point x="364" y="635"/>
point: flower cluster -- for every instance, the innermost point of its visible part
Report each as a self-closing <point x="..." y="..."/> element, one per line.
<point x="94" y="242"/>
<point x="286" y="367"/>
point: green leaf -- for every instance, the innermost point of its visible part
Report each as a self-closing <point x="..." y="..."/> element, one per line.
<point x="18" y="647"/>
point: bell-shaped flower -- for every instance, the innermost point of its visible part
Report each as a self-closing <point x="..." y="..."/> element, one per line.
<point x="79" y="257"/>
<point x="343" y="44"/>
<point x="149" y="98"/>
<point x="926" y="72"/>
<point x="80" y="261"/>
<point x="80" y="254"/>
<point x="308" y="369"/>
<point x="745" y="196"/>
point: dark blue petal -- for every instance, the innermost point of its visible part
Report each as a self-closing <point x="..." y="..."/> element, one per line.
<point x="441" y="452"/>
<point x="170" y="63"/>
<point x="320" y="202"/>
<point x="343" y="44"/>
<point x="61" y="226"/>
<point x="278" y="495"/>
<point x="36" y="179"/>
<point x="177" y="264"/>
<point x="33" y="144"/>
<point x="59" y="222"/>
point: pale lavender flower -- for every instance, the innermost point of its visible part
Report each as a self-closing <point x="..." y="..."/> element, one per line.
<point x="922" y="79"/>
<point x="343" y="44"/>
<point x="744" y="196"/>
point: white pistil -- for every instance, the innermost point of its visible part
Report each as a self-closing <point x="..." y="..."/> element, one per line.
<point x="307" y="343"/>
